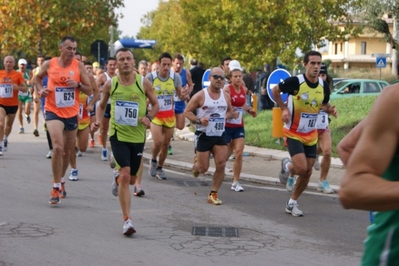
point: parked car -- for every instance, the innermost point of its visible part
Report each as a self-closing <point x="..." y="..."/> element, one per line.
<point x="357" y="87"/>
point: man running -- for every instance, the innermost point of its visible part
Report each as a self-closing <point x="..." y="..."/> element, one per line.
<point x="66" y="78"/>
<point x="128" y="93"/>
<point x="165" y="83"/>
<point x="36" y="100"/>
<point x="308" y="94"/>
<point x="11" y="82"/>
<point x="24" y="98"/>
<point x="209" y="109"/>
<point x="100" y="81"/>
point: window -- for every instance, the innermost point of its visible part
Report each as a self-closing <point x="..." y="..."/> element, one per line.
<point x="336" y="48"/>
<point x="340" y="47"/>
<point x="371" y="87"/>
<point x="363" y="48"/>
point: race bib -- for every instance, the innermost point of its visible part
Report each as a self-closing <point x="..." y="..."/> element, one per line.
<point x="64" y="97"/>
<point x="307" y="123"/>
<point x="237" y="120"/>
<point x="126" y="113"/>
<point x="6" y="90"/>
<point x="165" y="102"/>
<point x="322" y="120"/>
<point x="215" y="126"/>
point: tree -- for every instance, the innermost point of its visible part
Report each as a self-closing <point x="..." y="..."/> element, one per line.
<point x="38" y="25"/>
<point x="254" y="33"/>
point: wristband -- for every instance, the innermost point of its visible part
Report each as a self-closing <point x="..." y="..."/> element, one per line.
<point x="149" y="118"/>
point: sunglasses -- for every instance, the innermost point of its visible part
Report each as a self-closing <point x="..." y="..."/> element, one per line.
<point x="218" y="77"/>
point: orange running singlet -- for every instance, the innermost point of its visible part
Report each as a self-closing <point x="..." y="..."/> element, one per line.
<point x="62" y="100"/>
<point x="8" y="96"/>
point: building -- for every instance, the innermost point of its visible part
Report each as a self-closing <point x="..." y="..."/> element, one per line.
<point x="357" y="52"/>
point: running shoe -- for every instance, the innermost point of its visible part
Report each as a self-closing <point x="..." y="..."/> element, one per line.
<point x="54" y="196"/>
<point x="1" y="150"/>
<point x="290" y="184"/>
<point x="36" y="133"/>
<point x="112" y="161"/>
<point x="138" y="191"/>
<point x="213" y="199"/>
<point x="152" y="170"/>
<point x="161" y="174"/>
<point x="27" y="118"/>
<point x="149" y="137"/>
<point x="170" y="151"/>
<point x="92" y="143"/>
<point x="5" y="145"/>
<point x="21" y="130"/>
<point x="62" y="190"/>
<point x="193" y="170"/>
<point x="128" y="228"/>
<point x="325" y="187"/>
<point x="49" y="154"/>
<point x="293" y="209"/>
<point x="104" y="155"/>
<point x="283" y="175"/>
<point x="237" y="187"/>
<point x="74" y="175"/>
<point x="79" y="154"/>
<point x="114" y="185"/>
<point x="317" y="163"/>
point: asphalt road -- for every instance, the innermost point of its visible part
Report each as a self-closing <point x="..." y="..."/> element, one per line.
<point x="86" y="228"/>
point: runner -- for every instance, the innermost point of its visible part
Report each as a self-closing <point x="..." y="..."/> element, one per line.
<point x="235" y="132"/>
<point x="100" y="81"/>
<point x="324" y="142"/>
<point x="11" y="82"/>
<point x="36" y="100"/>
<point x="165" y="83"/>
<point x="128" y="93"/>
<point x="308" y="94"/>
<point x="66" y="78"/>
<point x="212" y="106"/>
<point x="24" y="98"/>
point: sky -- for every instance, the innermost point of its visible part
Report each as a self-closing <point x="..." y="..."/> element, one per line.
<point x="133" y="11"/>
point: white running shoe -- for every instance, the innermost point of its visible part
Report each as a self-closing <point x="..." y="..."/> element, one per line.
<point x="325" y="187"/>
<point x="293" y="210"/>
<point x="74" y="175"/>
<point x="237" y="187"/>
<point x="49" y="154"/>
<point x="114" y="185"/>
<point x="128" y="228"/>
<point x="290" y="184"/>
<point x="104" y="155"/>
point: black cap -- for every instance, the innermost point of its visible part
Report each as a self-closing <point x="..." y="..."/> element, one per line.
<point x="323" y="69"/>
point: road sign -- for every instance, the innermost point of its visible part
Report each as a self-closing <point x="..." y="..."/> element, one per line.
<point x="99" y="49"/>
<point x="134" y="43"/>
<point x="380" y="55"/>
<point x="275" y="78"/>
<point x="205" y="79"/>
<point x="381" y="62"/>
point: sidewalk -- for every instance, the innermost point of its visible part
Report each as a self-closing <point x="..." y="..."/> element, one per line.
<point x="259" y="166"/>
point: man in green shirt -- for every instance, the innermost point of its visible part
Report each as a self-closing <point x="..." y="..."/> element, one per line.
<point x="371" y="154"/>
<point x="129" y="120"/>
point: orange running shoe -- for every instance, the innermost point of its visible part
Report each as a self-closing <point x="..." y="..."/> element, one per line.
<point x="54" y="196"/>
<point x="62" y="191"/>
<point x="92" y="143"/>
<point x="99" y="139"/>
<point x="193" y="170"/>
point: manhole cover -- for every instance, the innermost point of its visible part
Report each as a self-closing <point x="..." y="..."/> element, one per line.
<point x="24" y="230"/>
<point x="192" y="183"/>
<point x="215" y="231"/>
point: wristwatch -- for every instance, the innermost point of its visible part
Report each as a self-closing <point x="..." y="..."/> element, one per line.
<point x="79" y="85"/>
<point x="149" y="118"/>
<point x="198" y="122"/>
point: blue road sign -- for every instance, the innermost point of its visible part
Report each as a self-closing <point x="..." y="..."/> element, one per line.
<point x="381" y="62"/>
<point x="275" y="78"/>
<point x="134" y="43"/>
<point x="205" y="79"/>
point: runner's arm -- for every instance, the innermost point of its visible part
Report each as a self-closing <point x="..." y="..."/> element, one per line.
<point x="103" y="104"/>
<point x="362" y="186"/>
<point x="85" y="87"/>
<point x="347" y="144"/>
<point x="149" y="92"/>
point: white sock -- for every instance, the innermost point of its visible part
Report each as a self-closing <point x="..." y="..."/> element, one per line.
<point x="57" y="185"/>
<point x="62" y="180"/>
<point x="291" y="201"/>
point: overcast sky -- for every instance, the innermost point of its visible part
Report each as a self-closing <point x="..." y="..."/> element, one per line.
<point x="133" y="12"/>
